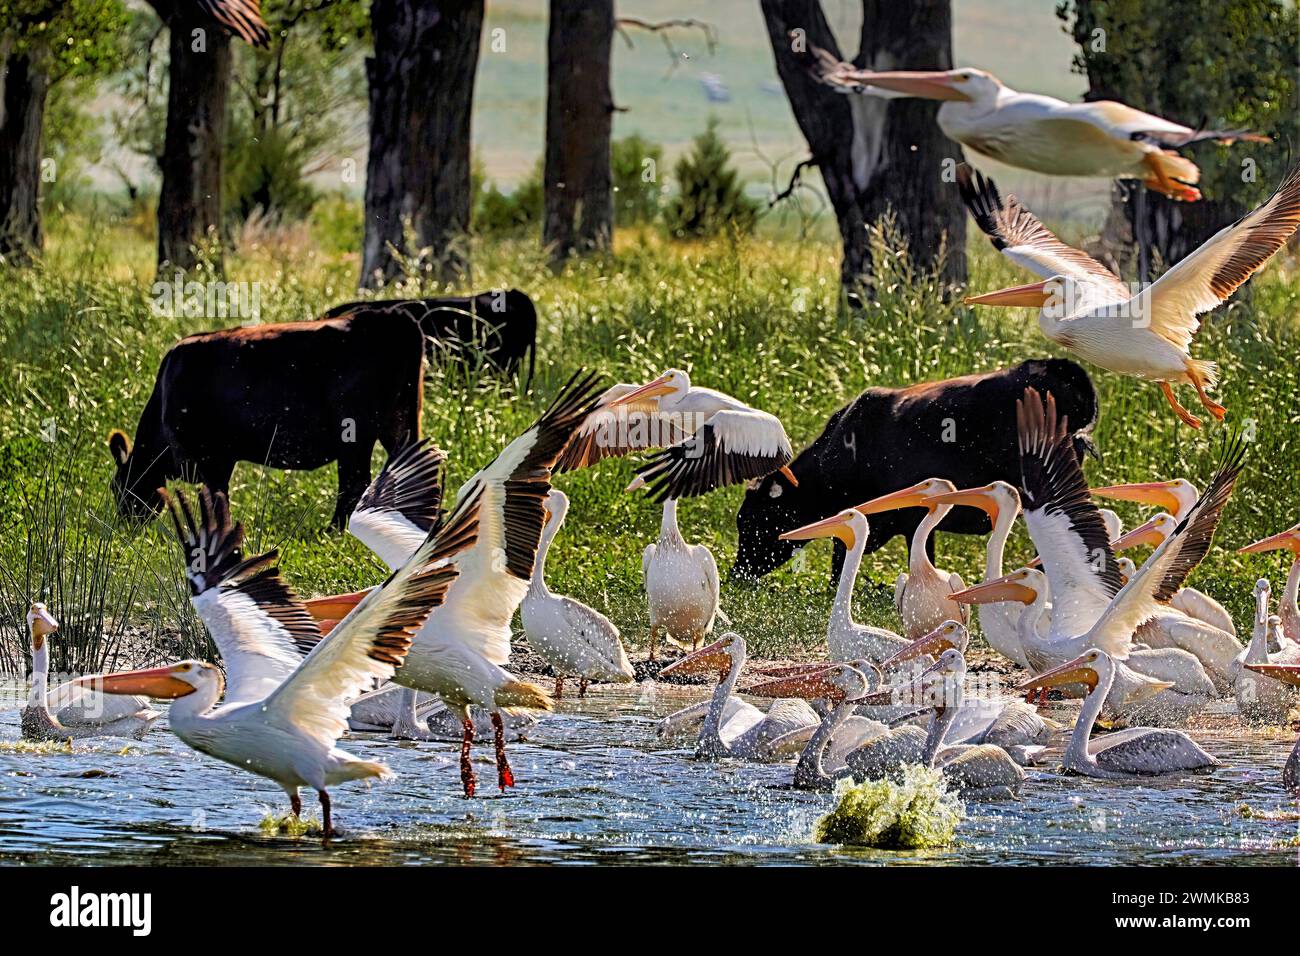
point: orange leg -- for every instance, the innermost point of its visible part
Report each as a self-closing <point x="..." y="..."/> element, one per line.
<point x="295" y="802"/>
<point x="505" y="778"/>
<point x="1182" y="413"/>
<point x="1159" y="181"/>
<point x="325" y="812"/>
<point x="559" y="687"/>
<point x="582" y="687"/>
<point x="466" y="768"/>
<point x="1211" y="406"/>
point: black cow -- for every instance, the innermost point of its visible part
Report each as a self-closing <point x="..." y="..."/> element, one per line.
<point x="962" y="429"/>
<point x="498" y="326"/>
<point x="296" y="396"/>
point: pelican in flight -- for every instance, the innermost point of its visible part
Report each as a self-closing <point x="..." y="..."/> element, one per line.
<point x="72" y="711"/>
<point x="461" y="651"/>
<point x="734" y="728"/>
<point x="1261" y="700"/>
<point x="577" y="641"/>
<point x="1088" y="310"/>
<point x="1125" y="753"/>
<point x="725" y="441"/>
<point x="290" y="734"/>
<point x="923" y="593"/>
<point x="681" y="585"/>
<point x="1041" y="133"/>
<point x="1287" y="608"/>
<point x="999" y="623"/>
<point x="1290" y="673"/>
<point x="846" y="640"/>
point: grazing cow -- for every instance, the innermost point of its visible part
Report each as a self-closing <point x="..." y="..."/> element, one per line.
<point x="962" y="429"/>
<point x="499" y="326"/>
<point x="297" y="396"/>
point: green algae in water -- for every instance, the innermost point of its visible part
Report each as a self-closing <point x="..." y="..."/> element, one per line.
<point x="1248" y="812"/>
<point x="289" y="825"/>
<point x="36" y="746"/>
<point x="915" y="814"/>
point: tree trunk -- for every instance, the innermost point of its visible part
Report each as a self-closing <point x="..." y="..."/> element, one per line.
<point x="875" y="155"/>
<point x="24" y="84"/>
<point x="579" y="208"/>
<point x="421" y="89"/>
<point x="189" y="203"/>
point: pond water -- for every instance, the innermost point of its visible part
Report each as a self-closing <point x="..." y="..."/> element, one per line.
<point x="596" y="786"/>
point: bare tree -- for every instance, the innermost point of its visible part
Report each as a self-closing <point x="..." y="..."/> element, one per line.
<point x="24" y="82"/>
<point x="877" y="155"/>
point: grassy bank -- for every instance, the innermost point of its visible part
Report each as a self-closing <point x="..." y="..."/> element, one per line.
<point x="758" y="318"/>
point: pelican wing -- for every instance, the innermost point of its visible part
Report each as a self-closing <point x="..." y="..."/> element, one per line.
<point x="614" y="432"/>
<point x="1146" y="750"/>
<point x="1064" y="524"/>
<point x="370" y="643"/>
<point x="495" y="574"/>
<point x="1164" y="572"/>
<point x="260" y="627"/>
<point x="734" y="445"/>
<point x="1021" y="237"/>
<point x="1205" y="278"/>
<point x="402" y="504"/>
<point x="1125" y="122"/>
<point x="243" y="18"/>
<point x="841" y="77"/>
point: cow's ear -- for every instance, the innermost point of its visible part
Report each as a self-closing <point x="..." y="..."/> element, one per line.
<point x="119" y="446"/>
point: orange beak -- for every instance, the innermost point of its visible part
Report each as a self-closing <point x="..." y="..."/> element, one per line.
<point x="789" y="476"/>
<point x="1148" y="533"/>
<point x="1288" y="540"/>
<point x="1035" y="294"/>
<point x="790" y="670"/>
<point x="916" y="691"/>
<point x="974" y="497"/>
<point x="836" y="526"/>
<point x="913" y="497"/>
<point x="655" y="389"/>
<point x="1077" y="671"/>
<point x="935" y="85"/>
<point x="157" y="682"/>
<point x="711" y="659"/>
<point x="999" y="589"/>
<point x="944" y="636"/>
<point x="1287" y="673"/>
<point x="336" y="607"/>
<point x="813" y="685"/>
<point x="1150" y="493"/>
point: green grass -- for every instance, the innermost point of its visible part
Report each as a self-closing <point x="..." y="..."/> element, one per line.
<point x="755" y="317"/>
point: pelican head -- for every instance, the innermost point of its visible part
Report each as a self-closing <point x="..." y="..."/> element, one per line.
<point x="948" y="635"/>
<point x="163" y="683"/>
<point x="673" y="382"/>
<point x="1022" y="586"/>
<point x="1288" y="540"/>
<point x="1088" y="669"/>
<point x="716" y="658"/>
<point x="837" y="683"/>
<point x="845" y="526"/>
<point x="1176" y="496"/>
<point x="1126" y="568"/>
<point x="913" y="497"/>
<point x="993" y="499"/>
<point x="1057" y="297"/>
<point x="40" y="624"/>
<point x="1153" y="532"/>
<point x="556" y="506"/>
<point x="965" y="85"/>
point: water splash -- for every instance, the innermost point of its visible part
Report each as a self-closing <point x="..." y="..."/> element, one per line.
<point x="917" y="813"/>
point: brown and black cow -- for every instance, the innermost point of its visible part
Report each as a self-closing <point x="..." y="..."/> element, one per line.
<point x="297" y="396"/>
<point x="962" y="429"/>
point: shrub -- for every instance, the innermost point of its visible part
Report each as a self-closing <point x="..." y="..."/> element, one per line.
<point x="637" y="191"/>
<point x="709" y="196"/>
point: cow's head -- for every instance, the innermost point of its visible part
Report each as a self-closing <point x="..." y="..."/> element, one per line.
<point x="138" y="476"/>
<point x="772" y="505"/>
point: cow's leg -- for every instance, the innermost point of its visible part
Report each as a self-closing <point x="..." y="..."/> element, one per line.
<point x="354" y="476"/>
<point x="216" y="474"/>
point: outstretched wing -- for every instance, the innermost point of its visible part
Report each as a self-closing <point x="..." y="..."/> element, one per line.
<point x="614" y="432"/>
<point x="243" y="18"/>
<point x="731" y="447"/>
<point x="260" y="627"/>
<point x="372" y="641"/>
<point x="1064" y="524"/>
<point x="402" y="504"/>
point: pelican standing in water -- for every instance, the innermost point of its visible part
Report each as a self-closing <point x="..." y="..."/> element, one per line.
<point x="1137" y="751"/>
<point x="1087" y="309"/>
<point x="923" y="593"/>
<point x="577" y="641"/>
<point x="681" y="585"/>
<point x="1287" y="608"/>
<point x="1260" y="700"/>
<point x="79" y="712"/>
<point x="846" y="640"/>
<point x="1042" y="133"/>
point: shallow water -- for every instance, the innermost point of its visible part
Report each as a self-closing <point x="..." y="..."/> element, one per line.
<point x="595" y="786"/>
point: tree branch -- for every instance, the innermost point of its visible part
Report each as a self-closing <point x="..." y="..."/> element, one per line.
<point x="662" y="27"/>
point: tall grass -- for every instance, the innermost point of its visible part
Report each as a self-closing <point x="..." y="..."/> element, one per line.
<point x="757" y="317"/>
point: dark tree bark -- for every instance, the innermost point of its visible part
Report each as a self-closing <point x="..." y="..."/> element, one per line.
<point x="189" y="203"/>
<point x="24" y="83"/>
<point x="579" y="207"/>
<point x="421" y="89"/>
<point x="877" y="155"/>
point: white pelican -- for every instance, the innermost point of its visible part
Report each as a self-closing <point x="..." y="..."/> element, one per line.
<point x="846" y="640"/>
<point x="998" y="622"/>
<point x="1290" y="673"/>
<point x="1260" y="700"/>
<point x="290" y="736"/>
<point x="461" y="651"/>
<point x="1088" y="310"/>
<point x="78" y="711"/>
<point x="922" y="594"/>
<point x="740" y="729"/>
<point x="1042" y="133"/>
<point x="681" y="585"/>
<point x="729" y="442"/>
<point x="1125" y="753"/>
<point x="577" y="641"/>
<point x="1287" y="608"/>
